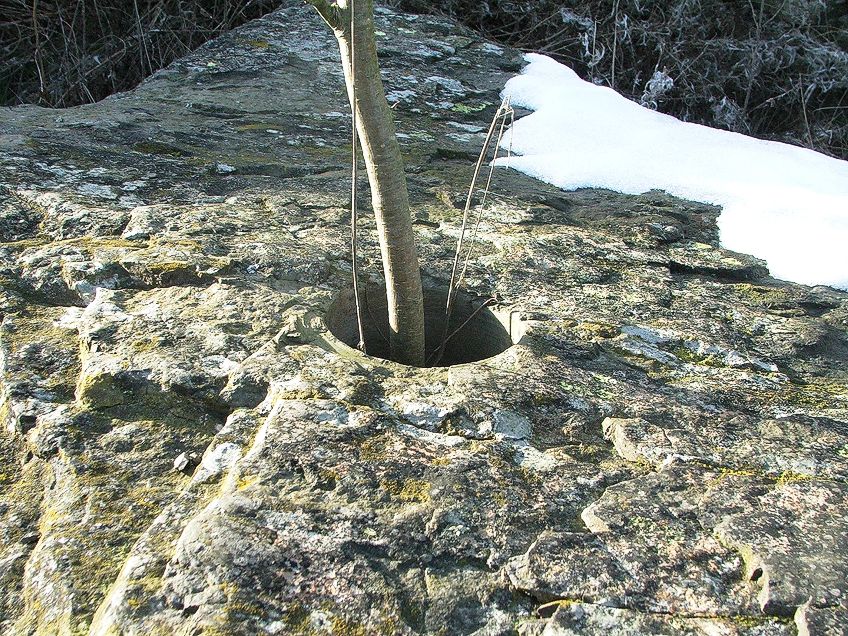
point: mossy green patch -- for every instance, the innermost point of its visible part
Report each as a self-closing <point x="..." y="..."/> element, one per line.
<point x="500" y="498"/>
<point x="761" y="295"/>
<point x="144" y="345"/>
<point x="362" y="391"/>
<point x="753" y="622"/>
<point x="420" y="135"/>
<point x="240" y="611"/>
<point x="296" y="619"/>
<point x="105" y="242"/>
<point x="790" y="477"/>
<point x="343" y="627"/>
<point x="407" y="490"/>
<point x="161" y="268"/>
<point x="172" y="242"/>
<point x="376" y="448"/>
<point x="53" y="362"/>
<point x="25" y="244"/>
<point x="597" y="330"/>
<point x="99" y="390"/>
<point x="89" y="245"/>
<point x="306" y="393"/>
<point x="819" y="393"/>
<point x="246" y="481"/>
<point x="468" y="109"/>
<point x="726" y="473"/>
<point x="647" y="364"/>
<point x="165" y="267"/>
<point x="685" y="354"/>
<point x="92" y="552"/>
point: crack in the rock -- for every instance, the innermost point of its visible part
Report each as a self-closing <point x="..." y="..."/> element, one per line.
<point x="746" y="274"/>
<point x="547" y="610"/>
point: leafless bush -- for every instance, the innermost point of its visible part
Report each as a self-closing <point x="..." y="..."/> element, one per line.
<point x="62" y="53"/>
<point x="772" y="68"/>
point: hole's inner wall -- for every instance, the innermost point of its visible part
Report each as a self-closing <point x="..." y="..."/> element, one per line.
<point x="487" y="334"/>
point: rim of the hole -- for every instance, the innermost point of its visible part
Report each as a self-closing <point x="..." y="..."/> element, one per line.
<point x="494" y="328"/>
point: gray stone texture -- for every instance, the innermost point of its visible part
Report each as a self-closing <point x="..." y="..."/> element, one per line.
<point x="186" y="450"/>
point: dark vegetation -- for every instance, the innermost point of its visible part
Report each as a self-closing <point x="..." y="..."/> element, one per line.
<point x="61" y="53"/>
<point x="776" y="69"/>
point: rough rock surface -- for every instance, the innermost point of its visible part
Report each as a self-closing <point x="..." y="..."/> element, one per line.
<point x="185" y="450"/>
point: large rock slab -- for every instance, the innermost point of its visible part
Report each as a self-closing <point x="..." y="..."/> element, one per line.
<point x="186" y="449"/>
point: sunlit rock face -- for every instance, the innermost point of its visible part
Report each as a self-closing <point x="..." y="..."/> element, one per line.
<point x="186" y="449"/>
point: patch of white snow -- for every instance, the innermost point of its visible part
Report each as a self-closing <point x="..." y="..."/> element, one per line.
<point x="785" y="204"/>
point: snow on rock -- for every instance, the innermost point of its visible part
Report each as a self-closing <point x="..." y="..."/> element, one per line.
<point x="785" y="204"/>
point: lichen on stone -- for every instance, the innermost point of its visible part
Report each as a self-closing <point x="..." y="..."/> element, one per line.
<point x="663" y="450"/>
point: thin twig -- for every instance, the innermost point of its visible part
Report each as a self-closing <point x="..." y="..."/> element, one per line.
<point x="614" y="43"/>
<point x="463" y="229"/>
<point x="453" y="285"/>
<point x="440" y="351"/>
<point x="503" y="112"/>
<point x="804" y="110"/>
<point x="37" y="53"/>
<point x="353" y="183"/>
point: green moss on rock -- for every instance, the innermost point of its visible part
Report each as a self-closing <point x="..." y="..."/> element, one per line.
<point x="407" y="490"/>
<point x="99" y="390"/>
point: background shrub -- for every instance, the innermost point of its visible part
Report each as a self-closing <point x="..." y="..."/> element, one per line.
<point x="776" y="69"/>
<point x="62" y="53"/>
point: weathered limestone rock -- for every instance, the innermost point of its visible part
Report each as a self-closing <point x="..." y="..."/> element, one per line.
<point x="831" y="620"/>
<point x="574" y="619"/>
<point x="796" y="533"/>
<point x="185" y="449"/>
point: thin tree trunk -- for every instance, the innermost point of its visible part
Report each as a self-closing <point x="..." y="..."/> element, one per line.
<point x="383" y="161"/>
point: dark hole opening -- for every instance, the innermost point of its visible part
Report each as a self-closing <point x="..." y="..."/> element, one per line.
<point x="756" y="574"/>
<point x="477" y="336"/>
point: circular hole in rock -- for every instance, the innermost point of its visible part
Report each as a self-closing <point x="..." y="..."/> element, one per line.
<point x="477" y="333"/>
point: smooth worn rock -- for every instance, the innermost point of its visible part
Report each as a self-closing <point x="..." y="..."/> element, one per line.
<point x="812" y="620"/>
<point x="187" y="449"/>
